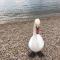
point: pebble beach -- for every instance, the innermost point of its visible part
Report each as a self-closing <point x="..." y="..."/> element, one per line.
<point x="14" y="38"/>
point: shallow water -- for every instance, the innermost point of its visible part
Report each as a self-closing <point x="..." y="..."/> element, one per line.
<point x="10" y="9"/>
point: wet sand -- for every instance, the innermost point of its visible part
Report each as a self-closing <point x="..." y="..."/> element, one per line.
<point x="14" y="38"/>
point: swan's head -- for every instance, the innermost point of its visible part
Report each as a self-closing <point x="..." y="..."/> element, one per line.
<point x="37" y="25"/>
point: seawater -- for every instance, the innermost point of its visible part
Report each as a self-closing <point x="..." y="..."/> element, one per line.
<point x="11" y="9"/>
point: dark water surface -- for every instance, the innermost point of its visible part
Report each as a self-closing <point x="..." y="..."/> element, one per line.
<point x="10" y="9"/>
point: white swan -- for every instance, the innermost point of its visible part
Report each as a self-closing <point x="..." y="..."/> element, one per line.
<point x="36" y="42"/>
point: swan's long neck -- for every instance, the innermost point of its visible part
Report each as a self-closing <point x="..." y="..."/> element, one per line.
<point x="35" y="30"/>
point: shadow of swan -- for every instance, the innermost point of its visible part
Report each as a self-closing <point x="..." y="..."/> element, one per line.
<point x="33" y="54"/>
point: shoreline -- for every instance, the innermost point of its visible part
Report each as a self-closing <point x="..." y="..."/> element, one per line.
<point x="26" y="18"/>
<point x="20" y="19"/>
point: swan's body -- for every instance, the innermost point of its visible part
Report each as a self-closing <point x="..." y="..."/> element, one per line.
<point x="36" y="42"/>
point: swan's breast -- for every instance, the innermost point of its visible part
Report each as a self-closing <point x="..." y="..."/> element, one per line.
<point x="36" y="43"/>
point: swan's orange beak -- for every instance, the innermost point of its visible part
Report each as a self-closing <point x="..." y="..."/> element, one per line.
<point x="37" y="30"/>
